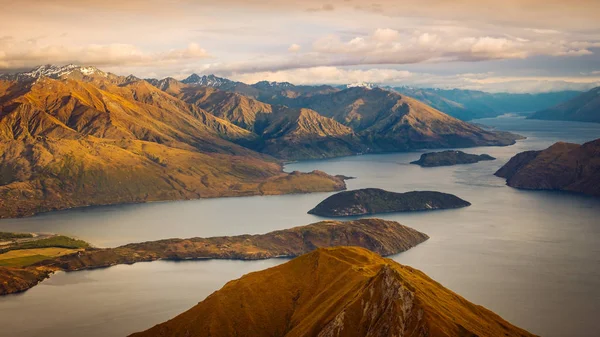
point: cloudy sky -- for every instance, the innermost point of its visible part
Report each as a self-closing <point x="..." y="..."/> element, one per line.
<point x="510" y="45"/>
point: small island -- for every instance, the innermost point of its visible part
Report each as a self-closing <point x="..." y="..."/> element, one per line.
<point x="25" y="264"/>
<point x="449" y="158"/>
<point x="374" y="201"/>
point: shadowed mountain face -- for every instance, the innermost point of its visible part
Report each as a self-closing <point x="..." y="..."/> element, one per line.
<point x="343" y="291"/>
<point x="562" y="166"/>
<point x="472" y="104"/>
<point x="75" y="136"/>
<point x="388" y="121"/>
<point x="583" y="108"/>
<point x="286" y="133"/>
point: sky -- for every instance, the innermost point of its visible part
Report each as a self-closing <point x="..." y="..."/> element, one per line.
<point x="490" y="45"/>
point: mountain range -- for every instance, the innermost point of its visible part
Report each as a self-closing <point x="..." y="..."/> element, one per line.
<point x="582" y="108"/>
<point x="74" y="136"/>
<point x="473" y="104"/>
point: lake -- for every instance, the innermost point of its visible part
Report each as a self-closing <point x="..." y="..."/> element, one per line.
<point x="531" y="256"/>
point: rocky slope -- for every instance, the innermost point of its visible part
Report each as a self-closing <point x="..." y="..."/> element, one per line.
<point x="76" y="136"/>
<point x="449" y="158"/>
<point x="388" y="121"/>
<point x="374" y="201"/>
<point x="343" y="291"/>
<point x="582" y="108"/>
<point x="562" y="166"/>
<point x="383" y="237"/>
<point x="285" y="133"/>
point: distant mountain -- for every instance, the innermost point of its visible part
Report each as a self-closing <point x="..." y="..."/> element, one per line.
<point x="472" y="104"/>
<point x="75" y="136"/>
<point x="389" y="121"/>
<point x="562" y="166"/>
<point x="341" y="291"/>
<point x="582" y="108"/>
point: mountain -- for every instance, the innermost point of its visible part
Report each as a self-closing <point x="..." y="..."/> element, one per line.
<point x="562" y="166"/>
<point x="303" y="133"/>
<point x="582" y="108"/>
<point x="75" y="137"/>
<point x="472" y="104"/>
<point x="388" y="121"/>
<point x="375" y="201"/>
<point x="342" y="291"/>
<point x="286" y="133"/>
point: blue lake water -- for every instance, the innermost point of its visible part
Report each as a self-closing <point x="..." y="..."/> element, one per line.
<point x="531" y="256"/>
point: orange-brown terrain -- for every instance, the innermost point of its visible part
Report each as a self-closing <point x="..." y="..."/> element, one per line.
<point x="562" y="166"/>
<point x="342" y="291"/>
<point x="380" y="236"/>
<point x="81" y="137"/>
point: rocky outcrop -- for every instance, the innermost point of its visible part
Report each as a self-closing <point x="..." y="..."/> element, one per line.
<point x="342" y="291"/>
<point x="562" y="166"/>
<point x="449" y="158"/>
<point x="374" y="201"/>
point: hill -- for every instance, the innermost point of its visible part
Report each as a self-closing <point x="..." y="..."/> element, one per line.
<point x="342" y="291"/>
<point x="562" y="166"/>
<point x="375" y="200"/>
<point x="448" y="158"/>
<point x="582" y="108"/>
<point x="383" y="237"/>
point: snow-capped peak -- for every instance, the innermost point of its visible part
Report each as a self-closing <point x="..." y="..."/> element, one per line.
<point x="362" y="85"/>
<point x="53" y="71"/>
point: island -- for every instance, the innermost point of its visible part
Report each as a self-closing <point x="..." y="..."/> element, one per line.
<point x="561" y="167"/>
<point x="383" y="237"/>
<point x="341" y="291"/>
<point x="449" y="158"/>
<point x="375" y="200"/>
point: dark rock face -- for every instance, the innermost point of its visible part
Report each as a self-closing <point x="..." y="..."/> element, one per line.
<point x="562" y="166"/>
<point x="449" y="158"/>
<point x="374" y="200"/>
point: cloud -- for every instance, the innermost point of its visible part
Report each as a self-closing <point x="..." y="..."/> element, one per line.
<point x="385" y="46"/>
<point x="294" y="48"/>
<point x="487" y="81"/>
<point x="18" y="55"/>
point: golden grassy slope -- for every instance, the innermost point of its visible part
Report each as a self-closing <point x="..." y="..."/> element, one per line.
<point x="104" y="140"/>
<point x="342" y="291"/>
